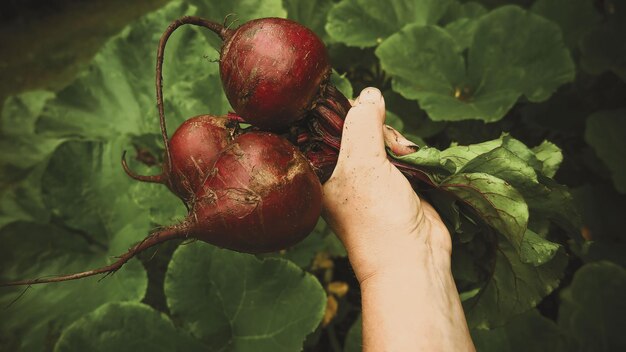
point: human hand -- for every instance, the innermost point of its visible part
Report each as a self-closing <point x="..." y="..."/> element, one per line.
<point x="371" y="206"/>
<point x="396" y="242"/>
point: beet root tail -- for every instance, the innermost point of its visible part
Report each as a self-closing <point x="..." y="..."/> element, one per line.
<point x="142" y="178"/>
<point x="153" y="239"/>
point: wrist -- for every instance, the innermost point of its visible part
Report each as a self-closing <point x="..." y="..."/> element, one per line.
<point x="425" y="248"/>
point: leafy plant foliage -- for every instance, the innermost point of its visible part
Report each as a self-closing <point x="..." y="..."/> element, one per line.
<point x="513" y="103"/>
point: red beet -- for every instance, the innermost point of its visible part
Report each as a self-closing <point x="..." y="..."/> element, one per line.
<point x="262" y="197"/>
<point x="193" y="150"/>
<point x="272" y="70"/>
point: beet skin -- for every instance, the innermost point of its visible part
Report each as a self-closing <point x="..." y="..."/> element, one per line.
<point x="272" y="70"/>
<point x="263" y="196"/>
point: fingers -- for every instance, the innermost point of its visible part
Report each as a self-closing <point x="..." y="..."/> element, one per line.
<point x="362" y="139"/>
<point x="397" y="143"/>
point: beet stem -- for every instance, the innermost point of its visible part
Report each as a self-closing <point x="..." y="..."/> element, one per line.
<point x="142" y="178"/>
<point x="155" y="238"/>
<point x="220" y="30"/>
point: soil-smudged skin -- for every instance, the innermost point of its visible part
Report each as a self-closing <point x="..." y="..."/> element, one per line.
<point x="262" y="196"/>
<point x="194" y="149"/>
<point x="272" y="70"/>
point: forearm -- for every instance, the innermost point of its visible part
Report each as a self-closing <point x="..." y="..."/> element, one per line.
<point x="413" y="305"/>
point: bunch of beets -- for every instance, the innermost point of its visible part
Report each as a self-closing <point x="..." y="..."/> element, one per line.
<point x="256" y="189"/>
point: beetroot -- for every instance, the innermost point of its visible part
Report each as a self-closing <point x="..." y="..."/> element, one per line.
<point x="252" y="192"/>
<point x="193" y="149"/>
<point x="261" y="196"/>
<point x="272" y="70"/>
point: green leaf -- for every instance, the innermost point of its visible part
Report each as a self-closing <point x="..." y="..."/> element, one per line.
<point x="237" y="302"/>
<point x="458" y="10"/>
<point x="85" y="187"/>
<point x="504" y="164"/>
<point x="513" y="53"/>
<point x="461" y="21"/>
<point x="423" y="61"/>
<point x="23" y="201"/>
<point x="527" y="332"/>
<point x="164" y="207"/>
<point x="606" y="133"/>
<point x="322" y="239"/>
<point x="462" y="30"/>
<point x="549" y="154"/>
<point x="460" y="155"/>
<point x="496" y="201"/>
<point x="515" y="47"/>
<point x="233" y="14"/>
<point x="125" y="327"/>
<point x="342" y="83"/>
<point x="603" y="48"/>
<point x="593" y="307"/>
<point x="19" y="113"/>
<point x="513" y="288"/>
<point x="575" y="17"/>
<point x="536" y="250"/>
<point x="354" y="339"/>
<point x="23" y="155"/>
<point x="545" y="198"/>
<point x="115" y="95"/>
<point x="367" y="23"/>
<point x="32" y="250"/>
<point x="311" y="13"/>
<point x="244" y="10"/>
<point x="430" y="159"/>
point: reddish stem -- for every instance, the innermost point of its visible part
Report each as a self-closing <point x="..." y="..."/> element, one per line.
<point x="223" y="32"/>
<point x="327" y="126"/>
<point x="166" y="234"/>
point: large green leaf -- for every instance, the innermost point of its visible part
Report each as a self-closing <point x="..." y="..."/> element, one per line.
<point x="322" y="239"/>
<point x="125" y="327"/>
<point x="22" y="158"/>
<point x="606" y="133"/>
<point x="243" y="10"/>
<point x="31" y="250"/>
<point x="368" y="22"/>
<point x="513" y="287"/>
<point x="527" y="332"/>
<point x="513" y="53"/>
<point x="536" y="250"/>
<point x="603" y="48"/>
<point x="550" y="156"/>
<point x="545" y="198"/>
<point x="461" y="21"/>
<point x="575" y="17"/>
<point x="116" y="94"/>
<point x="496" y="201"/>
<point x="593" y="308"/>
<point x="235" y="13"/>
<point x="79" y="185"/>
<point x="311" y="13"/>
<point x="460" y="10"/>
<point x="236" y="302"/>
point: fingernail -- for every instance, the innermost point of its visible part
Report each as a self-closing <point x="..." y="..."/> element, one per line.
<point x="369" y="95"/>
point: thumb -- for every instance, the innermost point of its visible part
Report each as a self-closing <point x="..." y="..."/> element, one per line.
<point x="362" y="139"/>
